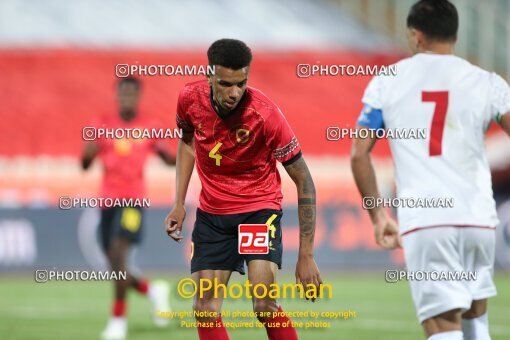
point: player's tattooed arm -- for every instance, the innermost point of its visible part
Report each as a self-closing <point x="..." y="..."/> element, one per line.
<point x="386" y="229"/>
<point x="185" y="163"/>
<point x="307" y="272"/>
<point x="300" y="174"/>
<point x="89" y="153"/>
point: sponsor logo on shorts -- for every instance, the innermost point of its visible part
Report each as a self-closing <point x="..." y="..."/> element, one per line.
<point x="253" y="239"/>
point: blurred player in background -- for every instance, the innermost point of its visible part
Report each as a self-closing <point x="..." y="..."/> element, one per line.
<point x="121" y="227"/>
<point x="236" y="135"/>
<point x="455" y="101"/>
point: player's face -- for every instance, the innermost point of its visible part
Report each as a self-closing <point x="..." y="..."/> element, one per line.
<point x="128" y="95"/>
<point x="228" y="86"/>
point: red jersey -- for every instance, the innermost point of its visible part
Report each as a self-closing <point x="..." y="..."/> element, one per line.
<point x="124" y="159"/>
<point x="236" y="155"/>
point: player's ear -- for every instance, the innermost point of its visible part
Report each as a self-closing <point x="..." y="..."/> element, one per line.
<point x="414" y="39"/>
<point x="209" y="78"/>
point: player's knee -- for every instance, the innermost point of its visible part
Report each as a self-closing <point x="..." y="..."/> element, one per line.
<point x="117" y="261"/>
<point x="264" y="306"/>
<point x="206" y="305"/>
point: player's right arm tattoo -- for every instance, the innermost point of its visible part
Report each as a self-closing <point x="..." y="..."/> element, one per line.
<point x="300" y="174"/>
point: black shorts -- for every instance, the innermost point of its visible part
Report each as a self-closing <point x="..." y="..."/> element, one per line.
<point x="121" y="222"/>
<point x="215" y="240"/>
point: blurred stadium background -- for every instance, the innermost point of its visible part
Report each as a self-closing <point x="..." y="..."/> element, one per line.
<point x="57" y="73"/>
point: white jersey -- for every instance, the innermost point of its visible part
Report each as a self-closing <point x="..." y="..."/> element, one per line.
<point x="454" y="102"/>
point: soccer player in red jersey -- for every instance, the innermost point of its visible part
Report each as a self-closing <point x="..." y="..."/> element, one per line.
<point x="121" y="227"/>
<point x="235" y="134"/>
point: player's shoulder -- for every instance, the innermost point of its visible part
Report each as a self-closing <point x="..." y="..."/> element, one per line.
<point x="462" y="63"/>
<point x="194" y="90"/>
<point x="479" y="75"/>
<point x="260" y="102"/>
<point x="454" y="63"/>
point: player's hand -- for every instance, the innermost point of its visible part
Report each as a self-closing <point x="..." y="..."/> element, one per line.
<point x="386" y="233"/>
<point x="173" y="222"/>
<point x="307" y="273"/>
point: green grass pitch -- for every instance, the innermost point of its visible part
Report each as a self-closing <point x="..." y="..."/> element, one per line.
<point x="79" y="310"/>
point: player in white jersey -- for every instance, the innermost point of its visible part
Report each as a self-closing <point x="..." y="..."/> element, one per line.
<point x="454" y="102"/>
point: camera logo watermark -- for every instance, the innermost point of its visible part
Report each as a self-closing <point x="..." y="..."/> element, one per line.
<point x="129" y="70"/>
<point x="335" y="133"/>
<point x="407" y="202"/>
<point x="90" y="133"/>
<point x="394" y="275"/>
<point x="309" y="70"/>
<point x="44" y="275"/>
<point x="66" y="202"/>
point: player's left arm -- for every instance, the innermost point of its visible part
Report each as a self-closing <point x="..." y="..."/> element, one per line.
<point x="89" y="154"/>
<point x="505" y="123"/>
<point x="168" y="158"/>
<point x="307" y="271"/>
<point x="385" y="228"/>
<point x="500" y="101"/>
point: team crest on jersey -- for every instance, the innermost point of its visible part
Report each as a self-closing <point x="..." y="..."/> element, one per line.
<point x="242" y="136"/>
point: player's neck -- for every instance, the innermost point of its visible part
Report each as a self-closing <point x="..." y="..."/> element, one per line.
<point x="222" y="113"/>
<point x="127" y="116"/>
<point x="437" y="48"/>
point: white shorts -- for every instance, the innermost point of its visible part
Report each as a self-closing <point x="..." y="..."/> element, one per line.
<point x="450" y="250"/>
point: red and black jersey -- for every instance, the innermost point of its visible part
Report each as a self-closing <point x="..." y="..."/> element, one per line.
<point x="236" y="155"/>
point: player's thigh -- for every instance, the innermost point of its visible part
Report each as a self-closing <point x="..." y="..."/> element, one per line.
<point x="271" y="218"/>
<point x="444" y="322"/>
<point x="214" y="242"/>
<point x="478" y="308"/>
<point x="106" y="227"/>
<point x="428" y="253"/>
<point x="478" y="255"/>
<point x="262" y="274"/>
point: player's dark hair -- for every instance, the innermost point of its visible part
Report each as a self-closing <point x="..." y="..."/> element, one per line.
<point x="130" y="80"/>
<point x="230" y="53"/>
<point x="437" y="19"/>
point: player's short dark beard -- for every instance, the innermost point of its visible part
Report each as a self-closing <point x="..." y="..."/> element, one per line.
<point x="223" y="113"/>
